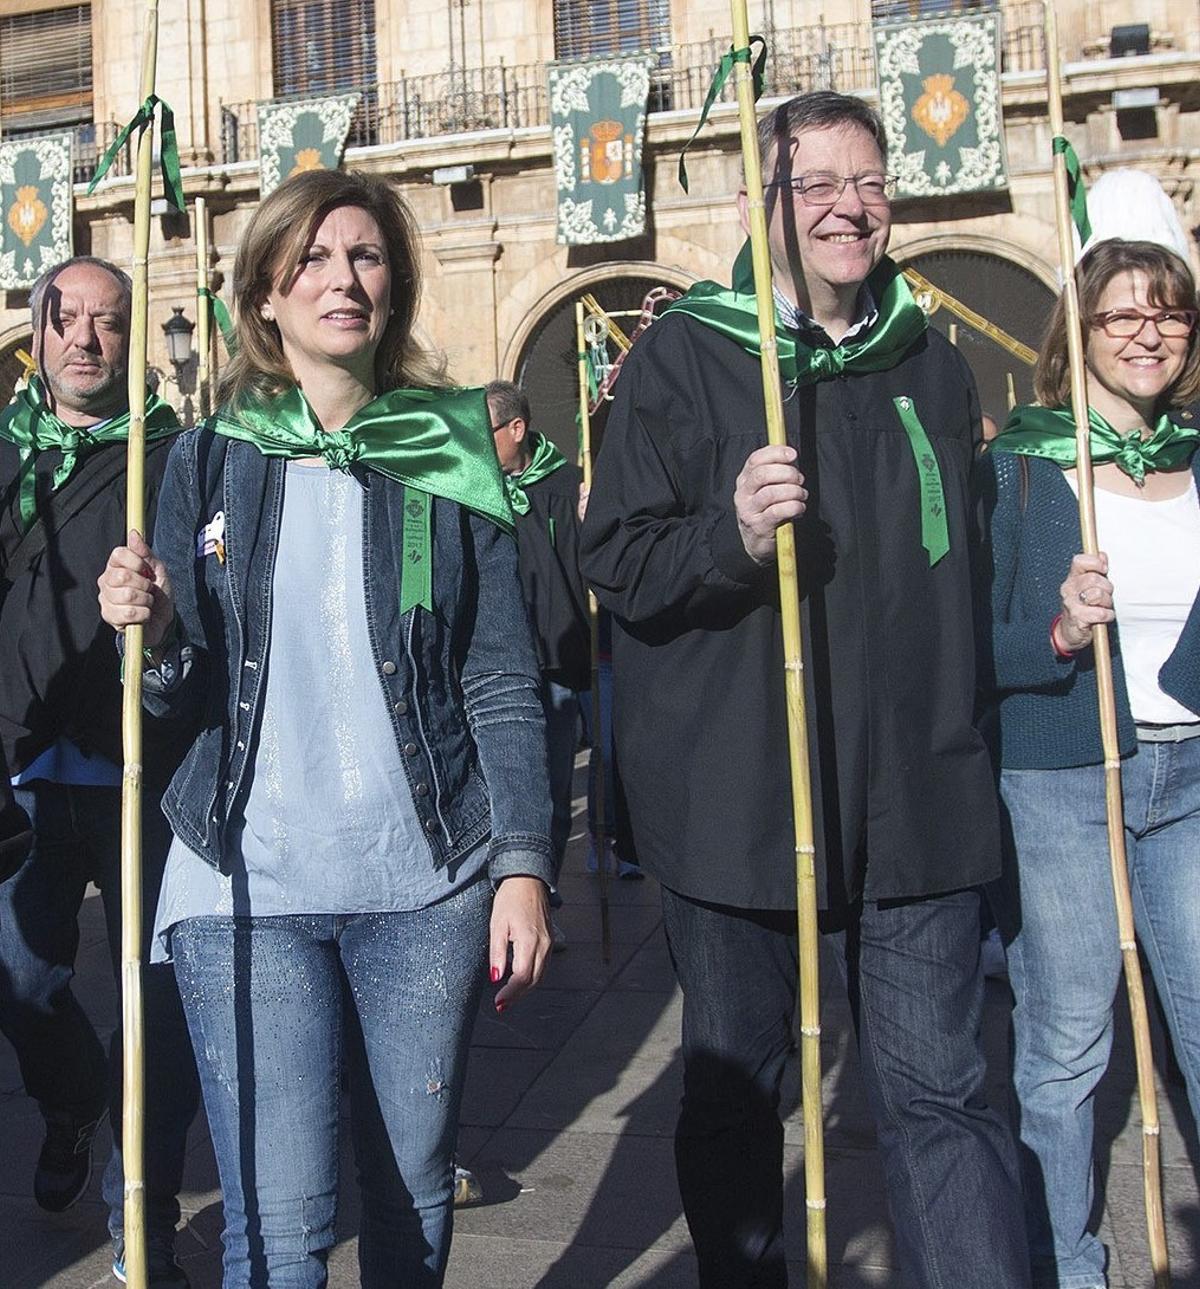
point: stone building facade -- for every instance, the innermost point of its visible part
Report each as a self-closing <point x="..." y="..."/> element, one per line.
<point x="463" y="83"/>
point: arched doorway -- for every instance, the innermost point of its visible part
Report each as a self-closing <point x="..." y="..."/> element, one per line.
<point x="547" y="367"/>
<point x="12" y="368"/>
<point x="1005" y="293"/>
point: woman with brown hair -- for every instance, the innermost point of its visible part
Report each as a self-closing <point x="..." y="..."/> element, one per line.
<point x="1039" y="601"/>
<point x="362" y="828"/>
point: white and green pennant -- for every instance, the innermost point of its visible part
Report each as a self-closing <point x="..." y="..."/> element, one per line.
<point x="598" y="123"/>
<point x="302" y="134"/>
<point x="35" y="189"/>
<point x="939" y="96"/>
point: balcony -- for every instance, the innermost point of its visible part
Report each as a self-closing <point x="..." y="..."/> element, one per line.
<point x="826" y="56"/>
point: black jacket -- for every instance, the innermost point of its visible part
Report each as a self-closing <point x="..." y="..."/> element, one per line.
<point x="555" y="595"/>
<point x="903" y="793"/>
<point x="59" y="669"/>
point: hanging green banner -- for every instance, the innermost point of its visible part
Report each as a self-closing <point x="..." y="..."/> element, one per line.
<point x="35" y="188"/>
<point x="598" y="123"/>
<point x="302" y="134"/>
<point x="939" y="96"/>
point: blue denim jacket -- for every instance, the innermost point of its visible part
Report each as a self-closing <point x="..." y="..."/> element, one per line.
<point x="460" y="682"/>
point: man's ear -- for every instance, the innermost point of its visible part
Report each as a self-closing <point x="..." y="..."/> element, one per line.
<point x="743" y="209"/>
<point x="517" y="428"/>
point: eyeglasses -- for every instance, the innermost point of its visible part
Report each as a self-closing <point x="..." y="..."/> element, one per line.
<point x="822" y="189"/>
<point x="1124" y="324"/>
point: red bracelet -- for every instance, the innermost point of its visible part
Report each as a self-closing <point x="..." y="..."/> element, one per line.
<point x="1059" y="652"/>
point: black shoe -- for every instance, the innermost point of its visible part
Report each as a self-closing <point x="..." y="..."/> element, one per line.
<point x="64" y="1167"/>
<point x="163" y="1272"/>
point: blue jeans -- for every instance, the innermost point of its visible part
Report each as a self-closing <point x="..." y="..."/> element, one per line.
<point x="63" y="1065"/>
<point x="1056" y="915"/>
<point x="561" y="706"/>
<point x="912" y="969"/>
<point x="272" y="1003"/>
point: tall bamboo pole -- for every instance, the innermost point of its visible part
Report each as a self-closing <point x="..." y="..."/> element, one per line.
<point x="132" y="1019"/>
<point x="203" y="310"/>
<point x="1151" y="1170"/>
<point x="599" y="734"/>
<point x="1010" y="387"/>
<point x="789" y="601"/>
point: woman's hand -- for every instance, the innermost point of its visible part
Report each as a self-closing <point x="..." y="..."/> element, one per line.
<point x="134" y="587"/>
<point x="1087" y="599"/>
<point x="769" y="492"/>
<point x="520" y="917"/>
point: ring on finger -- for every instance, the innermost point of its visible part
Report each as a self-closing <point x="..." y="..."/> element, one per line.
<point x="1083" y="596"/>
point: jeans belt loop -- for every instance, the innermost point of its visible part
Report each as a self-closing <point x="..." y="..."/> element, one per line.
<point x="1150" y="733"/>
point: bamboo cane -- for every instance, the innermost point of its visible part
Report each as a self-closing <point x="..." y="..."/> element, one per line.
<point x="1010" y="386"/>
<point x="203" y="310"/>
<point x="952" y="334"/>
<point x="789" y="600"/>
<point x="1151" y="1170"/>
<point x="599" y="734"/>
<point x="132" y="1017"/>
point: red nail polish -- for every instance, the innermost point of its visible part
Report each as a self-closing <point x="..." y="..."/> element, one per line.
<point x="495" y="973"/>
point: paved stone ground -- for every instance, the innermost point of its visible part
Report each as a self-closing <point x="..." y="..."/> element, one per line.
<point x="568" y="1115"/>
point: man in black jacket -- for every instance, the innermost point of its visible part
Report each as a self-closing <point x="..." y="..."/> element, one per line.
<point x="544" y="489"/>
<point x="62" y="508"/>
<point x="679" y="542"/>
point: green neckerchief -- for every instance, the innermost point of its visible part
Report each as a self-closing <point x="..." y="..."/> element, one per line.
<point x="1049" y="432"/>
<point x="30" y="425"/>
<point x="733" y="312"/>
<point x="435" y="442"/>
<point x="546" y="459"/>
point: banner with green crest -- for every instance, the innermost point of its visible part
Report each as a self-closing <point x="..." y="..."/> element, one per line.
<point x="939" y="96"/>
<point x="302" y="134"/>
<point x="35" y="187"/>
<point x="598" y="123"/>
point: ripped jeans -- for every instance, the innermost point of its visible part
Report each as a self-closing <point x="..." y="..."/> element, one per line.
<point x="272" y="1003"/>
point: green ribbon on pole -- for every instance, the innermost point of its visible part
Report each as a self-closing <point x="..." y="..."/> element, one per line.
<point x="30" y="425"/>
<point x="168" y="150"/>
<point x="1076" y="190"/>
<point x="220" y="315"/>
<point x="720" y="76"/>
<point x="935" y="535"/>
<point x="1049" y="432"/>
<point x="416" y="578"/>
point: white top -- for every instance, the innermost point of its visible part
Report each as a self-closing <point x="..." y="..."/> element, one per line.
<point x="1153" y="550"/>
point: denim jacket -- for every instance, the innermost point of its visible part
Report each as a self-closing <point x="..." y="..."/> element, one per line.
<point x="460" y="682"/>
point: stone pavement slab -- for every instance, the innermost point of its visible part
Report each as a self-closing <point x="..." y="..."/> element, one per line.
<point x="568" y="1115"/>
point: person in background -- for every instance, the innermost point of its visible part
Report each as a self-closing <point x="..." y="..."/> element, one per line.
<point x="1039" y="601"/>
<point x="62" y="476"/>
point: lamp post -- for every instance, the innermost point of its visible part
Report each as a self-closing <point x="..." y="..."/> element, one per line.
<point x="178" y="332"/>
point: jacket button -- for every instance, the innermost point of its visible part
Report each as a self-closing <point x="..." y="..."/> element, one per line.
<point x="389" y="668"/>
<point x="401" y="708"/>
<point x="422" y="789"/>
<point x="410" y="749"/>
<point x="431" y="825"/>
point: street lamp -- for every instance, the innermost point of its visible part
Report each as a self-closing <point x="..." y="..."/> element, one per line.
<point x="178" y="331"/>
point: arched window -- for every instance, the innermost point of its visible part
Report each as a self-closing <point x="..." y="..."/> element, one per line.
<point x="586" y="28"/>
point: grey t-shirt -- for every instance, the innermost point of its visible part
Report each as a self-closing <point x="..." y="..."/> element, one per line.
<point x="328" y="823"/>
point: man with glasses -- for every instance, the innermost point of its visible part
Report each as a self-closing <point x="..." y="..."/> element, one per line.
<point x="679" y="542"/>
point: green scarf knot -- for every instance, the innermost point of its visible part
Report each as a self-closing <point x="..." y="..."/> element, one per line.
<point x="546" y="459"/>
<point x="30" y="425"/>
<point x="1049" y="433"/>
<point x="435" y="442"/>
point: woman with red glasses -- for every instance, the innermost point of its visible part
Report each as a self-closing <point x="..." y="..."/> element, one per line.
<point x="1039" y="602"/>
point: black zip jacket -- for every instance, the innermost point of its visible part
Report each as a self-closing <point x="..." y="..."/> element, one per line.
<point x="59" y="668"/>
<point x="555" y="595"/>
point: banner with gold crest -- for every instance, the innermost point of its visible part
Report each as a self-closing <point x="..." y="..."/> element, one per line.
<point x="302" y="134"/>
<point x="939" y="96"/>
<point x="598" y="123"/>
<point x="35" y="187"/>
